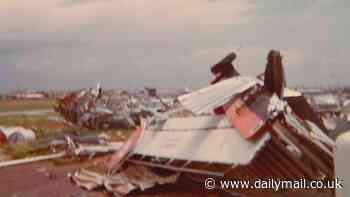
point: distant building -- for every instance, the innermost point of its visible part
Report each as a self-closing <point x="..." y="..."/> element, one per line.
<point x="325" y="103"/>
<point x="29" y="96"/>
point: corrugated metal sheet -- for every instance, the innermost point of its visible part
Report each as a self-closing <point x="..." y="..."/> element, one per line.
<point x="210" y="97"/>
<point x="215" y="145"/>
<point x="207" y="99"/>
<point x="319" y="134"/>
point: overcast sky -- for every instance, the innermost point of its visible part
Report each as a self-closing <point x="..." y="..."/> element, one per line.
<point x="49" y="44"/>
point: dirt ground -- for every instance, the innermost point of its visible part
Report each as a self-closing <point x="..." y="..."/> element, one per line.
<point x="48" y="179"/>
<point x="44" y="179"/>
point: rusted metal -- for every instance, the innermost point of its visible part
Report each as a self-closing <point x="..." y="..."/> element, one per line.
<point x="303" y="109"/>
<point x="307" y="171"/>
<point x="308" y="153"/>
<point x="294" y="172"/>
<point x="274" y="78"/>
<point x="222" y="168"/>
<point x="276" y="165"/>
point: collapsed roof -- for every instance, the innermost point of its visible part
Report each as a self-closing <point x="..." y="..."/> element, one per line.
<point x="256" y="133"/>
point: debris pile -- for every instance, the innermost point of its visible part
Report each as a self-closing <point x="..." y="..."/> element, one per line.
<point x="88" y="110"/>
<point x="94" y="110"/>
<point x="238" y="128"/>
<point x="131" y="178"/>
<point x="68" y="145"/>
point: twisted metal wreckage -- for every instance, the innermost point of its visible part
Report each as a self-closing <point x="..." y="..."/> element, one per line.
<point x="237" y="128"/>
<point x="85" y="108"/>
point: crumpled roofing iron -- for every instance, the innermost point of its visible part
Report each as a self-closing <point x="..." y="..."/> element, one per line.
<point x="287" y="148"/>
<point x="207" y="99"/>
<point x="208" y="139"/>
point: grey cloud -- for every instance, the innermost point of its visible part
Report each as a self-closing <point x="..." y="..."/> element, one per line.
<point x="69" y="3"/>
<point x="128" y="52"/>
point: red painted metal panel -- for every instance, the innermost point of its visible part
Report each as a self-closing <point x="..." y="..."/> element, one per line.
<point x="249" y="117"/>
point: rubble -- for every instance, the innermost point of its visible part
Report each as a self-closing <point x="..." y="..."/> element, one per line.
<point x="237" y="128"/>
<point x="234" y="113"/>
<point x="87" y="110"/>
<point x="70" y="146"/>
<point x="132" y="178"/>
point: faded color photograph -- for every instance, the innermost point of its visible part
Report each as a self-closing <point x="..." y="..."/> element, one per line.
<point x="174" y="98"/>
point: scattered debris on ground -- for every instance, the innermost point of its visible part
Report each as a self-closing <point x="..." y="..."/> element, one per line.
<point x="234" y="113"/>
<point x="238" y="127"/>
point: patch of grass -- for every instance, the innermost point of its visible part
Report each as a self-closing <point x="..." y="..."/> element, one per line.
<point x="26" y="105"/>
<point x="45" y="130"/>
<point x="24" y="121"/>
<point x="20" y="151"/>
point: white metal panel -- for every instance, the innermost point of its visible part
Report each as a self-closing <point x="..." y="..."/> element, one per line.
<point x="220" y="145"/>
<point x="210" y="97"/>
